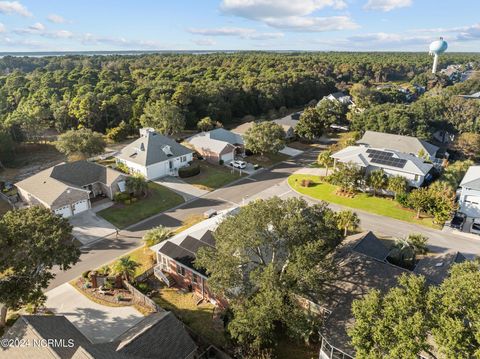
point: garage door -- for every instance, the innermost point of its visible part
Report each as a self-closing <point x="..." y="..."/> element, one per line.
<point x="80" y="206"/>
<point x="471" y="206"/>
<point x="228" y="157"/>
<point x="64" y="211"/>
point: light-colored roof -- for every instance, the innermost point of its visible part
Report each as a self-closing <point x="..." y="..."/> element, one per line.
<point x="50" y="191"/>
<point x="62" y="184"/>
<point x="222" y="134"/>
<point x="388" y="141"/>
<point x="241" y="129"/>
<point x="475" y="95"/>
<point x="471" y="178"/>
<point x="359" y="156"/>
<point x="289" y="121"/>
<point x="204" y="144"/>
<point x="152" y="148"/>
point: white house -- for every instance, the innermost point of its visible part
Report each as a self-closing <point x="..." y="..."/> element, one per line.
<point x="339" y="97"/>
<point x="393" y="163"/>
<point x="469" y="201"/>
<point x="154" y="155"/>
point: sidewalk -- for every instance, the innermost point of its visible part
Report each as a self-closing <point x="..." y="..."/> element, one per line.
<point x="187" y="191"/>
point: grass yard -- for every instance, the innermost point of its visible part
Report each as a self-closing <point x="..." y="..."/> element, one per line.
<point x="198" y="317"/>
<point x="189" y="222"/>
<point x="212" y="176"/>
<point x="381" y="206"/>
<point x="144" y="257"/>
<point x="158" y="200"/>
<point x="267" y="160"/>
<point x="286" y="349"/>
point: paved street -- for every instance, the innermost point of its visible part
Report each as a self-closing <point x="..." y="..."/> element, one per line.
<point x="261" y="185"/>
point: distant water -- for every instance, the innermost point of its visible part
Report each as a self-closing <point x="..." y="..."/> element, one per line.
<point x="108" y="53"/>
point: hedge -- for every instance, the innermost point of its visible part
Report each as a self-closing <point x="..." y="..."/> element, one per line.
<point x="189" y="171"/>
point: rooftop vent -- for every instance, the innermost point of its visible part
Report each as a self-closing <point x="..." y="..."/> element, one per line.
<point x="440" y="264"/>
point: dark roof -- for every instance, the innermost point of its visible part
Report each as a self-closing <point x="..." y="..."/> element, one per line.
<point x="436" y="268"/>
<point x="159" y="335"/>
<point x="82" y="173"/>
<point x="371" y="246"/>
<point x="50" y="327"/>
<point x="185" y="253"/>
<point x="164" y="330"/>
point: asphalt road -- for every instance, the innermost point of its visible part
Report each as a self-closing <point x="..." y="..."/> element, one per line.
<point x="264" y="184"/>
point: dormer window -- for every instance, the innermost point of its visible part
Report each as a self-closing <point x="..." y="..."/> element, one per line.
<point x="167" y="150"/>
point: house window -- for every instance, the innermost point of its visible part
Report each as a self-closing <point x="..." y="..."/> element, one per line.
<point x="181" y="270"/>
<point x="195" y="278"/>
<point x="183" y="159"/>
<point x="417" y="177"/>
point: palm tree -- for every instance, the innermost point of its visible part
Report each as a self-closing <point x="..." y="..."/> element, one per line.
<point x="137" y="185"/>
<point x="156" y="235"/>
<point x="324" y="159"/>
<point x="377" y="180"/>
<point x="125" y="267"/>
<point x="347" y="221"/>
<point x="398" y="185"/>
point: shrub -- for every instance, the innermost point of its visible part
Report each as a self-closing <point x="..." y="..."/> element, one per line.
<point x="118" y="133"/>
<point x="104" y="270"/>
<point x="402" y="199"/>
<point x="121" y="196"/>
<point x="122" y="168"/>
<point x="220" y="162"/>
<point x="189" y="171"/>
<point x="134" y="199"/>
<point x="85" y="274"/>
<point x="143" y="287"/>
<point x="127" y="201"/>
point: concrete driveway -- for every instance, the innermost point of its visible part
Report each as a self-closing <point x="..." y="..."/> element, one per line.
<point x="290" y="151"/>
<point x="99" y="323"/>
<point x="88" y="227"/>
<point x="186" y="190"/>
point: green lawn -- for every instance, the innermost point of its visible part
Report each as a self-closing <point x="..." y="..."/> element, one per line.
<point x="198" y="317"/>
<point x="212" y="176"/>
<point x="382" y="206"/>
<point x="267" y="160"/>
<point x="158" y="200"/>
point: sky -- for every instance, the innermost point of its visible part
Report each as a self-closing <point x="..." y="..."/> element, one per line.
<point x="314" y="25"/>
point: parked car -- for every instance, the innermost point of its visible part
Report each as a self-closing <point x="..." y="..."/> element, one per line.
<point x="238" y="164"/>
<point x="475" y="228"/>
<point x="457" y="221"/>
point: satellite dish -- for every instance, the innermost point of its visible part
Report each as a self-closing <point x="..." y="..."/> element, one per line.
<point x="436" y="48"/>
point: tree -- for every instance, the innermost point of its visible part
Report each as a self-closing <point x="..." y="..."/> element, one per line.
<point x="325" y="159"/>
<point x="156" y="235"/>
<point x="32" y="242"/>
<point x="455" y="305"/>
<point x="206" y="124"/>
<point x="418" y="242"/>
<point x="137" y="185"/>
<point x="118" y="133"/>
<point x="393" y="325"/>
<point x="265" y="137"/>
<point x="163" y="116"/>
<point x="454" y="172"/>
<point x="468" y="144"/>
<point x="347" y="176"/>
<point x="347" y="221"/>
<point x="83" y="142"/>
<point x="270" y="252"/>
<point x="332" y="112"/>
<point x="125" y="267"/>
<point x="398" y="185"/>
<point x="420" y="199"/>
<point x="444" y="201"/>
<point x="311" y="125"/>
<point x="377" y="180"/>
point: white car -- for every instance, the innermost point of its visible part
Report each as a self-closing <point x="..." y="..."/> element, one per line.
<point x="238" y="164"/>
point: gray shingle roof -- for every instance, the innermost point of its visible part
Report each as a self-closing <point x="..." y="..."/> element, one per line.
<point x="222" y="134"/>
<point x="405" y="144"/>
<point x="152" y="148"/>
<point x="471" y="179"/>
<point x="160" y="335"/>
<point x="289" y="121"/>
<point x="82" y="173"/>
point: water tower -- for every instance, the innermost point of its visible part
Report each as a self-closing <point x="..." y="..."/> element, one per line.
<point x="436" y="48"/>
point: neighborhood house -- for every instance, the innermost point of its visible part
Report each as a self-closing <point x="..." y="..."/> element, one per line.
<point x="289" y="123"/>
<point x="338" y="97"/>
<point x="67" y="188"/>
<point x="154" y="155"/>
<point x="469" y="200"/>
<point x="217" y="145"/>
<point x="363" y="266"/>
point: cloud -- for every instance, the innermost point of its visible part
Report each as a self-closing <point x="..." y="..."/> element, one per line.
<point x="204" y="42"/>
<point x="14" y="7"/>
<point x="260" y="9"/>
<point x="120" y="42"/>
<point x="244" y="33"/>
<point x="56" y="19"/>
<point x="313" y="24"/>
<point x="294" y="15"/>
<point x="39" y="29"/>
<point x="469" y="33"/>
<point x="386" y="5"/>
